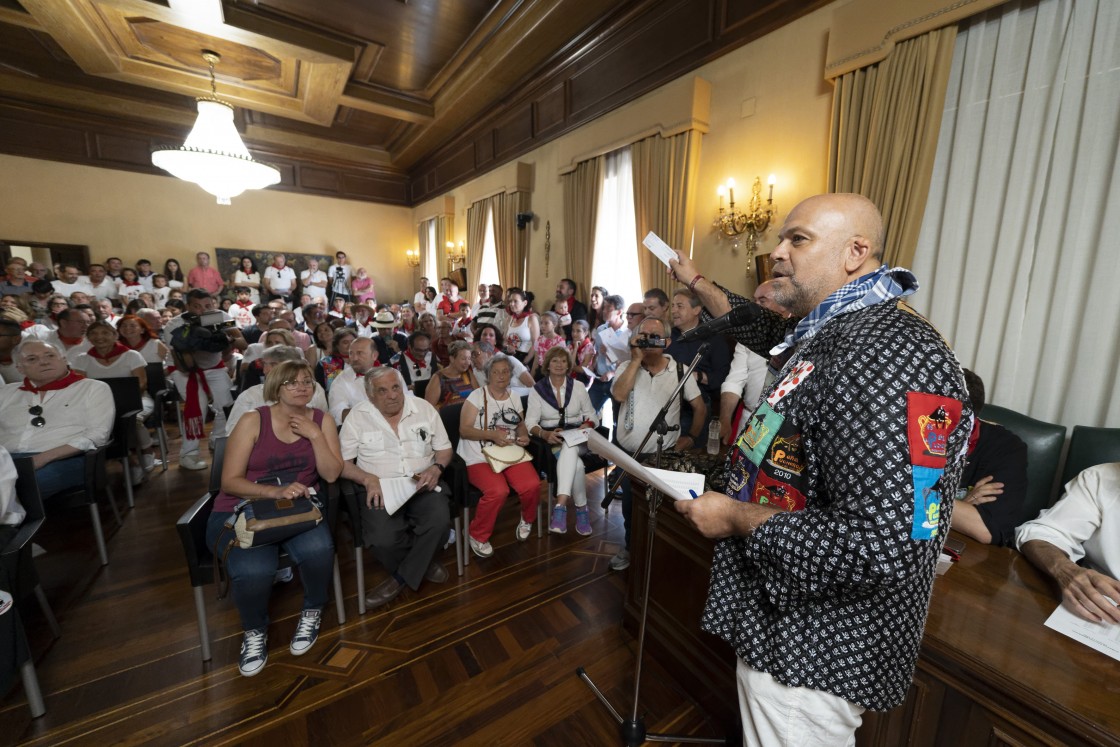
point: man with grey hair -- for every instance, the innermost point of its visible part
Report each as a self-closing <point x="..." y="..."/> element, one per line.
<point x="253" y="397"/>
<point x="349" y="388"/>
<point x="395" y="446"/>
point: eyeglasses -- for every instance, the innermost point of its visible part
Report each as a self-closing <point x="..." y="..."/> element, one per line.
<point x="290" y="385"/>
<point x="635" y="313"/>
<point x="36" y="413"/>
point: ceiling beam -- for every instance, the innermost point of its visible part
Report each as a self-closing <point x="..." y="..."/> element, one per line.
<point x="377" y="100"/>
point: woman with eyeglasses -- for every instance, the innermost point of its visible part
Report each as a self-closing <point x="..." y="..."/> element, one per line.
<point x="55" y="304"/>
<point x="556" y="404"/>
<point x="277" y="451"/>
<point x="492" y="415"/>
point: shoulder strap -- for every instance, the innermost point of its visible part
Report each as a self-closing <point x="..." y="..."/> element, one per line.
<point x="680" y="375"/>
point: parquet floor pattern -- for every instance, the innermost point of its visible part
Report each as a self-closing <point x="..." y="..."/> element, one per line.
<point x="488" y="658"/>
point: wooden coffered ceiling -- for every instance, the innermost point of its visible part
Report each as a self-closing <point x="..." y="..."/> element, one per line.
<point x="383" y="100"/>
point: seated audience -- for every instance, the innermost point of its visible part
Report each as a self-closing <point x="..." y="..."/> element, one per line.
<point x="70" y="337"/>
<point x="456" y="380"/>
<point x="389" y="342"/>
<point x="481" y="353"/>
<point x="641" y="398"/>
<point x="417" y="364"/>
<point x="408" y="321"/>
<point x="451" y="305"/>
<point x="136" y="334"/>
<point x="101" y="286"/>
<point x="993" y="485"/>
<point x="252" y="397"/>
<point x="331" y="366"/>
<point x="277" y="451"/>
<point x="524" y="326"/>
<point x="69" y="281"/>
<point x="322" y="340"/>
<point x="54" y="416"/>
<point x="129" y="286"/>
<point x="262" y="315"/>
<point x="363" y="320"/>
<point x="242" y="309"/>
<point x="493" y="415"/>
<point x="109" y="358"/>
<point x="556" y="404"/>
<point x="1077" y="543"/>
<point x="393" y="436"/>
<point x="16" y="281"/>
<point x="349" y="387"/>
<point x="548" y="339"/>
<point x="10" y="335"/>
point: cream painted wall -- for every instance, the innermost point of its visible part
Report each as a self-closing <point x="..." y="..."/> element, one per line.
<point x="769" y="113"/>
<point x="139" y="215"/>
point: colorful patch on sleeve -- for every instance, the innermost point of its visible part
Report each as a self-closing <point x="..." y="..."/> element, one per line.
<point x="927" y="503"/>
<point x="771" y="492"/>
<point x="793" y="379"/>
<point x="759" y="433"/>
<point x="740" y="483"/>
<point x="930" y="418"/>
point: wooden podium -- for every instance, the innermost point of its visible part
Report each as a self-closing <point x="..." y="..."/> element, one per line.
<point x="989" y="672"/>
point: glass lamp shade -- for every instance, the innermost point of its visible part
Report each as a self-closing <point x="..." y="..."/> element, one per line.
<point x="214" y="158"/>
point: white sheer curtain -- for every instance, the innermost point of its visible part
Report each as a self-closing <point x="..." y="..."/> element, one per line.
<point x="614" y="264"/>
<point x="1019" y="254"/>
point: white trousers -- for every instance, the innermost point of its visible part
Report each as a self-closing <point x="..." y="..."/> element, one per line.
<point x="219" y="382"/>
<point x="778" y="716"/>
<point x="570" y="477"/>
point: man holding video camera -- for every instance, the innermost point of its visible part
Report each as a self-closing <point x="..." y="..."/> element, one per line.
<point x="201" y="340"/>
<point x="642" y="386"/>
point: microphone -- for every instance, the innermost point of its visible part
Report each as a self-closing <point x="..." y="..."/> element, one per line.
<point x="737" y="317"/>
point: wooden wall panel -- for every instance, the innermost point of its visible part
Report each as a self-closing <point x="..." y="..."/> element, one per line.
<point x="454" y="168"/>
<point x="515" y="130"/>
<point x="319" y="180"/>
<point x="484" y="150"/>
<point x="550" y="110"/>
<point x="135" y="151"/>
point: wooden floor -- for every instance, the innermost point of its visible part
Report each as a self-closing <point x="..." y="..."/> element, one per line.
<point x="488" y="658"/>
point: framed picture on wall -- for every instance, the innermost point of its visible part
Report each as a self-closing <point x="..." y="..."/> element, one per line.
<point x="228" y="260"/>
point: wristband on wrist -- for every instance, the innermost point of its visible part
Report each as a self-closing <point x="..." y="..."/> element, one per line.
<point x="440" y="467"/>
<point x="695" y="280"/>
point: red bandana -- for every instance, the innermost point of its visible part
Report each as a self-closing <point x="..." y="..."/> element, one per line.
<point x="68" y="341"/>
<point x="117" y="349"/>
<point x="137" y="347"/>
<point x="420" y="364"/>
<point x="522" y="315"/>
<point x="62" y="383"/>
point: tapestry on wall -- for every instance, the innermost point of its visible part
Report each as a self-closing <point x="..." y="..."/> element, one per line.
<point x="228" y="260"/>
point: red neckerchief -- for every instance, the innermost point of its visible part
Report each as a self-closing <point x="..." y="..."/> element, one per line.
<point x="68" y="341"/>
<point x="420" y="364"/>
<point x="408" y="328"/>
<point x="246" y="305"/>
<point x="137" y="347"/>
<point x="130" y="285"/>
<point x="65" y="381"/>
<point x="522" y="315"/>
<point x="117" y="349"/>
<point x="974" y="436"/>
<point x="579" y="350"/>
<point x="27" y="323"/>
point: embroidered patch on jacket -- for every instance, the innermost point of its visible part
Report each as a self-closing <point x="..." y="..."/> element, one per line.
<point x="927" y="503"/>
<point x="793" y="379"/>
<point x="785" y="455"/>
<point x="930" y="418"/>
<point x="771" y="492"/>
<point x="759" y="433"/>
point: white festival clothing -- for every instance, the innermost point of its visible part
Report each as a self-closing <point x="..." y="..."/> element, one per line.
<point x="253" y="397"/>
<point x="348" y="390"/>
<point x="315" y="291"/>
<point x="12" y="512"/>
<point x="367" y="436"/>
<point x="503" y="414"/>
<point x="649" y="396"/>
<point x="81" y="415"/>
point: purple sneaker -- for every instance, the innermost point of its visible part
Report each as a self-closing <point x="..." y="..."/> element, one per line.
<point x="559" y="523"/>
<point x="583" y="526"/>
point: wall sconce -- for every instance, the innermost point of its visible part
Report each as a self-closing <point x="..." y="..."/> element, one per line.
<point x="750" y="225"/>
<point x="456" y="255"/>
<point x="412" y="257"/>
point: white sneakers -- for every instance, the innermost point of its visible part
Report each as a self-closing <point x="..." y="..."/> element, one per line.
<point x="523" y="529"/>
<point x="191" y="462"/>
<point x="481" y="549"/>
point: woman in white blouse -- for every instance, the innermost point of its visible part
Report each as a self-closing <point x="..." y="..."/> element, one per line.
<point x="557" y="403"/>
<point x="246" y="276"/>
<point x="110" y="358"/>
<point x="137" y="335"/>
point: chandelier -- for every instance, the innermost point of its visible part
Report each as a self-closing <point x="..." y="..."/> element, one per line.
<point x="214" y="157"/>
<point x="733" y="224"/>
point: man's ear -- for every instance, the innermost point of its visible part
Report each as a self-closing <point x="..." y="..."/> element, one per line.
<point x="856" y="253"/>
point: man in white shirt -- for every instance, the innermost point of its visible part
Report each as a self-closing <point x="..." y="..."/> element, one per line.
<point x="339" y="276"/>
<point x="70" y="280"/>
<point x="642" y="386"/>
<point x="420" y="301"/>
<point x="253" y="397"/>
<point x="100" y="284"/>
<point x="70" y="337"/>
<point x="348" y="389"/>
<point x="612" y="347"/>
<point x="279" y="279"/>
<point x="397" y="439"/>
<point x="1083" y="526"/>
<point x="313" y="280"/>
<point x="53" y="416"/>
<point x="144" y="274"/>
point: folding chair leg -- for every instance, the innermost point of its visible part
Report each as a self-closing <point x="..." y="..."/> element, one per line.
<point x="466" y="540"/>
<point x="48" y="613"/>
<point x="361" y="580"/>
<point x="203" y="628"/>
<point x="127" y="481"/>
<point x="113" y="504"/>
<point x="98" y="535"/>
<point x="31" y="689"/>
<point x="339" y="601"/>
<point x="540" y="519"/>
<point x="162" y="435"/>
<point x="460" y="545"/>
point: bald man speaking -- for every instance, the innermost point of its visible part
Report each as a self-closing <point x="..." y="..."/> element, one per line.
<point x="840" y="487"/>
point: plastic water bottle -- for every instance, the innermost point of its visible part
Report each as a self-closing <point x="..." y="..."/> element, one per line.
<point x="713" y="437"/>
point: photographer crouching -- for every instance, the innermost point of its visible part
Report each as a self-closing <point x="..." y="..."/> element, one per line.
<point x="202" y="340"/>
<point x="641" y="386"/>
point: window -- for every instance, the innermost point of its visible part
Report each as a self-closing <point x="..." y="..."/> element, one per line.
<point x="614" y="263"/>
<point x="489" y="271"/>
<point x="431" y="258"/>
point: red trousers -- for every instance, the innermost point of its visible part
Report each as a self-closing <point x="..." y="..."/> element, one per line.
<point x="520" y="478"/>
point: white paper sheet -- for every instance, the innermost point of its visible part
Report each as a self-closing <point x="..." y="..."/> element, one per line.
<point x="659" y="248"/>
<point x="395" y="492"/>
<point x="1104" y="637"/>
<point x="653" y="478"/>
<point x="574" y="436"/>
<point x="685" y="482"/>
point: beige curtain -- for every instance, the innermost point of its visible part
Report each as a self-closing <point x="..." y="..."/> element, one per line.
<point x="885" y="123"/>
<point x="476" y="237"/>
<point x="444" y="232"/>
<point x="581" y="204"/>
<point x="512" y="243"/>
<point x="422" y="243"/>
<point x="665" y="174"/>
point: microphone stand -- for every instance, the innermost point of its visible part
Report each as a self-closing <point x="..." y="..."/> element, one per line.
<point x="633" y="730"/>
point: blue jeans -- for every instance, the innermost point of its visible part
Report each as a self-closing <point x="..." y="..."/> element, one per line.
<point x="251" y="572"/>
<point x="59" y="475"/>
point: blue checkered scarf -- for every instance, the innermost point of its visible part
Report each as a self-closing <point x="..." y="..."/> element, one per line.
<point x="884" y="284"/>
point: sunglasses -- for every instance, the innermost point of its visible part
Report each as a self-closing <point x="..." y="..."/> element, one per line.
<point x="36" y="413"/>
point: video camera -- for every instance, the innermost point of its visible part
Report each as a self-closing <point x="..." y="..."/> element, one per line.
<point x="650" y="340"/>
<point x="202" y="333"/>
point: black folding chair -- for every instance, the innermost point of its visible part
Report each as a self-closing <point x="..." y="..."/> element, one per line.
<point x="127" y="398"/>
<point x="162" y="393"/>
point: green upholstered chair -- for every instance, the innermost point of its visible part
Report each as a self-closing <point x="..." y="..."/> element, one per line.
<point x="1044" y="449"/>
<point x="1088" y="447"/>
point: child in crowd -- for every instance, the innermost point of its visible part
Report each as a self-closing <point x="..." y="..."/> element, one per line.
<point x="546" y="340"/>
<point x="160" y="289"/>
<point x="583" y="350"/>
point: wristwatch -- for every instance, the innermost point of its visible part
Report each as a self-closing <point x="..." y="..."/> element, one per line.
<point x="440" y="467"/>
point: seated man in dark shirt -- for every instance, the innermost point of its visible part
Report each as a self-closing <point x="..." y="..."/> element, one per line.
<point x="994" y="484"/>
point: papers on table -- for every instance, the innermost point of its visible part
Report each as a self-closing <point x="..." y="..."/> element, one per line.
<point x="675" y="485"/>
<point x="659" y="248"/>
<point x="1104" y="637"/>
<point x="395" y="492"/>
